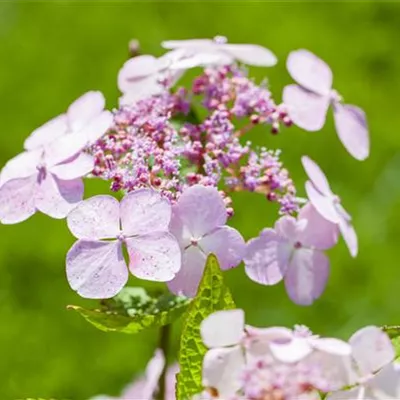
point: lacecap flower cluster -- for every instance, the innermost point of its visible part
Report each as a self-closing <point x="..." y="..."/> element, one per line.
<point x="175" y="154"/>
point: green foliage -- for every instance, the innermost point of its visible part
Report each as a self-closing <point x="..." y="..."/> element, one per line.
<point x="134" y="310"/>
<point x="394" y="334"/>
<point x="212" y="296"/>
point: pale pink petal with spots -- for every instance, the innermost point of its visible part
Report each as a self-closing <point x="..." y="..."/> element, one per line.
<point x="144" y="211"/>
<point x="155" y="256"/>
<point x="95" y="218"/>
<point x="201" y="209"/>
<point x="227" y="244"/>
<point x="179" y="230"/>
<point x="96" y="269"/>
<point x="17" y="199"/>
<point x="266" y="258"/>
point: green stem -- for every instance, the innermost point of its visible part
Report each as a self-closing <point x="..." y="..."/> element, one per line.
<point x="165" y="333"/>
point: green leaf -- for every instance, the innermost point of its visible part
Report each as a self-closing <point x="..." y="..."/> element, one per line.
<point x="212" y="296"/>
<point x="134" y="310"/>
<point x="394" y="334"/>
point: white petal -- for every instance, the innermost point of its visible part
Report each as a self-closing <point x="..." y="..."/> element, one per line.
<point x="202" y="59"/>
<point x="386" y="383"/>
<point x="258" y="340"/>
<point x="95" y="218"/>
<point x="223" y="328"/>
<point x="331" y="345"/>
<point x="155" y="256"/>
<point x="144" y="211"/>
<point x="295" y="350"/>
<point x="221" y="370"/>
<point x="251" y="54"/>
<point x="136" y="69"/>
<point x="140" y="89"/>
<point x="190" y="43"/>
<point x="372" y="349"/>
<point x="96" y="269"/>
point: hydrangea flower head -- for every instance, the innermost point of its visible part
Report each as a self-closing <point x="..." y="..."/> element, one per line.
<point x="373" y="375"/>
<point x="96" y="267"/>
<point x="259" y="360"/>
<point x="328" y="204"/>
<point x="198" y="223"/>
<point x="293" y="251"/>
<point x="309" y="101"/>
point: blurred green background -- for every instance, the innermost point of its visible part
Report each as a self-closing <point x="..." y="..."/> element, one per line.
<point x="53" y="52"/>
